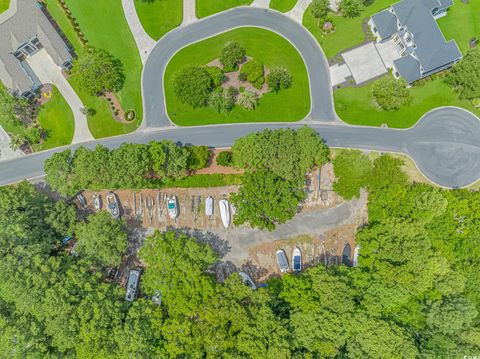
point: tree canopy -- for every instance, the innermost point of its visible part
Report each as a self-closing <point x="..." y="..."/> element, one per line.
<point x="192" y="85"/>
<point x="465" y="76"/>
<point x="390" y="93"/>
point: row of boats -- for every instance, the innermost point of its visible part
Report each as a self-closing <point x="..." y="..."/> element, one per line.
<point x="282" y="260"/>
<point x="112" y="204"/>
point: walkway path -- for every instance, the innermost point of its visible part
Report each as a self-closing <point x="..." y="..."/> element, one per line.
<point x="49" y="73"/>
<point x="261" y="3"/>
<point x="298" y="10"/>
<point x="189" y="12"/>
<point x="144" y="42"/>
<point x="6" y="152"/>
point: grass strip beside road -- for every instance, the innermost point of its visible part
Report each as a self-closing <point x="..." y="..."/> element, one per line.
<point x="288" y="105"/>
<point x="4" y="5"/>
<point x="159" y="16"/>
<point x="209" y="7"/>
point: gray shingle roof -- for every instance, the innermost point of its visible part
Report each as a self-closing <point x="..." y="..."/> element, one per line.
<point x="28" y="21"/>
<point x="386" y="23"/>
<point x="409" y="68"/>
<point x="431" y="49"/>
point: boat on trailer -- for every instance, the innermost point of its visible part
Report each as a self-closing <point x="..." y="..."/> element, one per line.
<point x="282" y="261"/>
<point x="97" y="202"/>
<point x="209" y="206"/>
<point x="112" y="204"/>
<point x="297" y="260"/>
<point x="172" y="206"/>
<point x="224" y="212"/>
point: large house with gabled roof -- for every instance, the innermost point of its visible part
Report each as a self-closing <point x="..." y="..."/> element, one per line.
<point x="412" y="26"/>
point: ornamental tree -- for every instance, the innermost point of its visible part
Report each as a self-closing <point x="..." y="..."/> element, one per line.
<point x="390" y="94"/>
<point x="192" y="85"/>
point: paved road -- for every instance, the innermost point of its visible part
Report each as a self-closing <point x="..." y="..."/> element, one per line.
<point x="444" y="144"/>
<point x="167" y="46"/>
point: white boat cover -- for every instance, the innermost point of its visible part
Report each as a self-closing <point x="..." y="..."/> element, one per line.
<point x="225" y="212"/>
<point x="209" y="206"/>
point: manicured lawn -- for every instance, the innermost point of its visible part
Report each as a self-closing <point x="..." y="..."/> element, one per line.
<point x="105" y="26"/>
<point x="356" y="106"/>
<point x="4" y="4"/>
<point x="159" y="16"/>
<point x="292" y="104"/>
<point x="56" y="118"/>
<point x="348" y="31"/>
<point x="462" y="23"/>
<point x="209" y="7"/>
<point x="282" y="5"/>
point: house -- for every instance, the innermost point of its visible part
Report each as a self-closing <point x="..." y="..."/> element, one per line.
<point x="412" y="27"/>
<point x="24" y="30"/>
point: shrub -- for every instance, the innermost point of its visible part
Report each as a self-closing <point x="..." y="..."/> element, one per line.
<point x="351" y="8"/>
<point x="253" y="71"/>
<point x="198" y="157"/>
<point x="232" y="54"/>
<point x="391" y="94"/>
<point x="130" y="115"/>
<point x="225" y="158"/>
<point x="242" y="77"/>
<point x="279" y="78"/>
<point x="248" y="100"/>
<point x="193" y="85"/>
<point x="223" y="101"/>
<point x="34" y="134"/>
<point x="216" y="74"/>
<point x="319" y="8"/>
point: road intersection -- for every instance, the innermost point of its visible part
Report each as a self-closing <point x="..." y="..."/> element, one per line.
<point x="444" y="144"/>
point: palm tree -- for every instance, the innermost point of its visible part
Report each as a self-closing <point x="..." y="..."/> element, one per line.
<point x="248" y="100"/>
<point x="16" y="141"/>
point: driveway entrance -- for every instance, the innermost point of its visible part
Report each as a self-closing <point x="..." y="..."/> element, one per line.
<point x="364" y="63"/>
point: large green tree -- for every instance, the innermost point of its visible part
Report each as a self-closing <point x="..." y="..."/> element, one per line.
<point x="192" y="85"/>
<point x="465" y="76"/>
<point x="390" y="94"/>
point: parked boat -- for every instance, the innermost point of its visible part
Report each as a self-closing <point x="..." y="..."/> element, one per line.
<point x="282" y="261"/>
<point x="97" y="202"/>
<point x="132" y="285"/>
<point x="347" y="250"/>
<point x="209" y="206"/>
<point x="247" y="280"/>
<point x="355" y="256"/>
<point x="297" y="260"/>
<point x="112" y="204"/>
<point x="172" y="206"/>
<point x="224" y="212"/>
<point x="81" y="200"/>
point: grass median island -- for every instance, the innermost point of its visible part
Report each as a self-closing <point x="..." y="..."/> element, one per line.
<point x="56" y="118"/>
<point x="105" y="26"/>
<point x="356" y="105"/>
<point x="290" y="104"/>
<point x="4" y="5"/>
<point x="282" y="5"/>
<point x="348" y="31"/>
<point x="209" y="7"/>
<point x="159" y="16"/>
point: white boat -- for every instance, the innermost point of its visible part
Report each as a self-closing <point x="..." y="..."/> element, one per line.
<point x="209" y="206"/>
<point x="97" y="202"/>
<point x="355" y="256"/>
<point x="247" y="280"/>
<point x="172" y="206"/>
<point x="113" y="205"/>
<point x="224" y="212"/>
<point x="297" y="260"/>
<point x="282" y="261"/>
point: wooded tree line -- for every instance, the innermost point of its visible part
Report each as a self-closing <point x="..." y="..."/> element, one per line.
<point x="129" y="166"/>
<point x="414" y="294"/>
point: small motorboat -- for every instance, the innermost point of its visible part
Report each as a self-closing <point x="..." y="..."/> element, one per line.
<point x="209" y="206"/>
<point x="224" y="212"/>
<point x="172" y="206"/>
<point x="282" y="261"/>
<point x="355" y="256"/>
<point x="112" y="204"/>
<point x="81" y="200"/>
<point x="247" y="280"/>
<point x="97" y="202"/>
<point x="297" y="260"/>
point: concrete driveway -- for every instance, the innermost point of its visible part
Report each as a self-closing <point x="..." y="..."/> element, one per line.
<point x="6" y="152"/>
<point x="364" y="63"/>
<point x="49" y="73"/>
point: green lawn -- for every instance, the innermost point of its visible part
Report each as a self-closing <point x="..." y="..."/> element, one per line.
<point x="159" y="16"/>
<point x="209" y="7"/>
<point x="462" y="23"/>
<point x="105" y="26"/>
<point x="56" y="118"/>
<point x="4" y="4"/>
<point x="282" y="5"/>
<point x="292" y="104"/>
<point x="348" y="31"/>
<point x="356" y="106"/>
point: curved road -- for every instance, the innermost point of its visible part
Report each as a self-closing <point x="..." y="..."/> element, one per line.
<point x="444" y="144"/>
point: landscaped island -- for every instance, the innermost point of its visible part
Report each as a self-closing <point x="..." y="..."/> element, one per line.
<point x="244" y="75"/>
